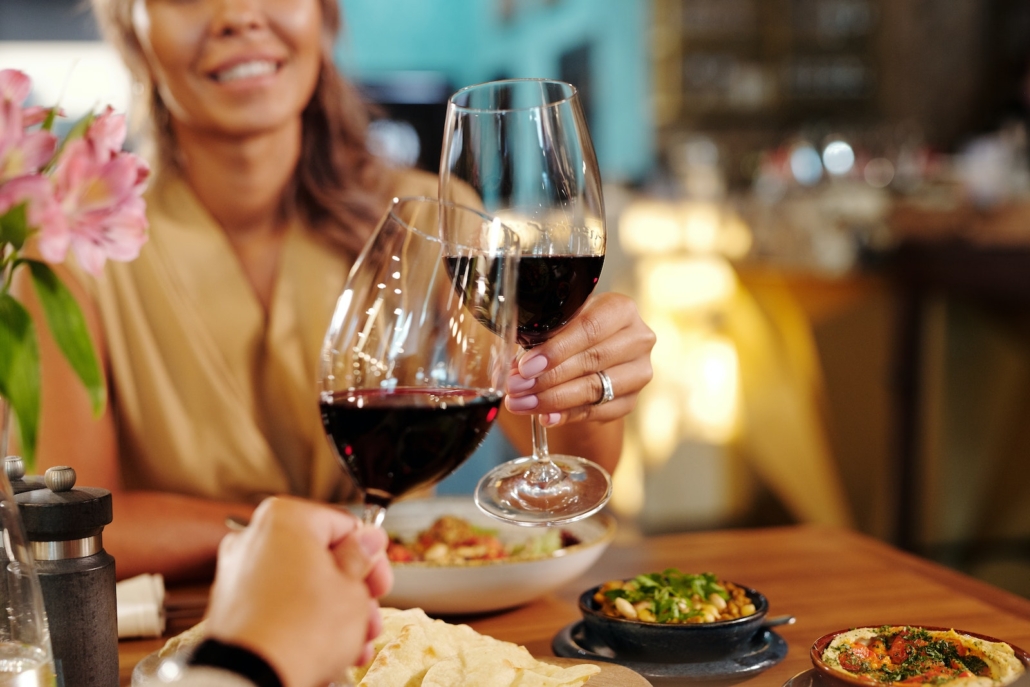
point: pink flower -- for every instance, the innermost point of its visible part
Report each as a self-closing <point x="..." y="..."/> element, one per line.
<point x="15" y="85"/>
<point x="99" y="189"/>
<point x="42" y="212"/>
<point x="21" y="152"/>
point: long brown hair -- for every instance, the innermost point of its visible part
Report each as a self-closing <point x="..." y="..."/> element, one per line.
<point x="338" y="187"/>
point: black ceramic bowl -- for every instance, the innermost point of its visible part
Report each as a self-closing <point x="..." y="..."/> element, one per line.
<point x="676" y="642"/>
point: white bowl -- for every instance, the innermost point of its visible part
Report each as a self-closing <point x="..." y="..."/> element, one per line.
<point x="480" y="586"/>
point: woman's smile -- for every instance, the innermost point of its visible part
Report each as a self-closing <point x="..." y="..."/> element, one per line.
<point x="236" y="67"/>
<point x="247" y="69"/>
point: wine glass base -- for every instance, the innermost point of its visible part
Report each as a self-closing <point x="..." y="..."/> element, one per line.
<point x="507" y="493"/>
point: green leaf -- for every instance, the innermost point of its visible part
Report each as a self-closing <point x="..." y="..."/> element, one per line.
<point x="68" y="327"/>
<point x="14" y="226"/>
<point x="48" y="123"/>
<point x="19" y="371"/>
<point x="78" y="129"/>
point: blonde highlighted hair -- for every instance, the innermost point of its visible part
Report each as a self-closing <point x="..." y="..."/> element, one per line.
<point x="338" y="186"/>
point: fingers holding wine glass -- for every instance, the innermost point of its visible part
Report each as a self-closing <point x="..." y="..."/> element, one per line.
<point x="363" y="556"/>
<point x="560" y="376"/>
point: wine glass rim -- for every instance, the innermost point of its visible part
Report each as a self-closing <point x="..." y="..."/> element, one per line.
<point x="511" y="246"/>
<point x="572" y="93"/>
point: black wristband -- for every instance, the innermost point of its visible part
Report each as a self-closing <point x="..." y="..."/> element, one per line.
<point x="243" y="662"/>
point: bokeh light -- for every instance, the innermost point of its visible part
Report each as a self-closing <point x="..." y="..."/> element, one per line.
<point x="879" y="172"/>
<point x="805" y="165"/>
<point x="838" y="158"/>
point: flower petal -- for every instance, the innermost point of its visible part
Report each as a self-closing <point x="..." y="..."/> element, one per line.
<point x="106" y="134"/>
<point x="89" y="254"/>
<point x="15" y="85"/>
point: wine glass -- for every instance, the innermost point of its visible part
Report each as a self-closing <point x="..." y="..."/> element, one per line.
<point x="414" y="362"/>
<point x="26" y="651"/>
<point x="521" y="149"/>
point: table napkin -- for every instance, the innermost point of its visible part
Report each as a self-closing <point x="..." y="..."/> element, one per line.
<point x="141" y="606"/>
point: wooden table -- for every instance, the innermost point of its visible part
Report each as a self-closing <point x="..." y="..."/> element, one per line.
<point x="828" y="578"/>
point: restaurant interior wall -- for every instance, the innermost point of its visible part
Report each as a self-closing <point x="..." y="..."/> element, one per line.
<point x="757" y="78"/>
<point x="598" y="45"/>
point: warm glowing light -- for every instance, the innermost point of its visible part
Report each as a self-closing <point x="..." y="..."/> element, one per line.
<point x="660" y="228"/>
<point x="665" y="357"/>
<point x="648" y="228"/>
<point x="701" y="225"/>
<point x="659" y="423"/>
<point x="713" y="374"/>
<point x="686" y="283"/>
<point x="735" y="238"/>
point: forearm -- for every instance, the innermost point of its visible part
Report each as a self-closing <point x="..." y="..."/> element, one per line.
<point x="600" y="442"/>
<point x="171" y="534"/>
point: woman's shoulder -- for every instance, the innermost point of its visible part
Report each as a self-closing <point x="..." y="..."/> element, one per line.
<point x="416" y="182"/>
<point x="413" y="182"/>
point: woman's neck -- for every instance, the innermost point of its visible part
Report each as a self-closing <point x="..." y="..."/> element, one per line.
<point x="241" y="181"/>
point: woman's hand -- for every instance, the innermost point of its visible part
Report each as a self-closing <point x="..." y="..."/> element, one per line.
<point x="559" y="380"/>
<point x="298" y="587"/>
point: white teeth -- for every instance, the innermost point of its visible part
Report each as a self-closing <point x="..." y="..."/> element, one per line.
<point x="245" y="70"/>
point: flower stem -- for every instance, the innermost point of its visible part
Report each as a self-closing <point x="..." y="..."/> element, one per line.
<point x="7" y="265"/>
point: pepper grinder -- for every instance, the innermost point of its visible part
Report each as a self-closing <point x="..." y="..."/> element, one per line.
<point x="64" y="526"/>
<point x="14" y="466"/>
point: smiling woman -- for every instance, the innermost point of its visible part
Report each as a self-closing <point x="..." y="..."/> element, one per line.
<point x="264" y="191"/>
<point x="238" y="67"/>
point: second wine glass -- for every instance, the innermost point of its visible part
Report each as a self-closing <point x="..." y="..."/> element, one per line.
<point x="521" y="149"/>
<point x="415" y="359"/>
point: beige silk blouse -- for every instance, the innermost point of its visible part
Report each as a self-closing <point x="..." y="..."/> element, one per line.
<point x="210" y="397"/>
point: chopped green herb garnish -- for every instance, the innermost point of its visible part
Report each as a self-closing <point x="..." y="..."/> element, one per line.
<point x="673" y="596"/>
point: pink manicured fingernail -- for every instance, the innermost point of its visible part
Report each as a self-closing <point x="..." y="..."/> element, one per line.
<point x="523" y="403"/>
<point x="550" y="419"/>
<point x="532" y="365"/>
<point x="517" y="384"/>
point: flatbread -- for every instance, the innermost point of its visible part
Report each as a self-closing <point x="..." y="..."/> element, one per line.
<point x="413" y="650"/>
<point x="416" y="651"/>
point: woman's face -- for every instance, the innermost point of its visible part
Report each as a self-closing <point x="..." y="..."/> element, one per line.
<point x="233" y="67"/>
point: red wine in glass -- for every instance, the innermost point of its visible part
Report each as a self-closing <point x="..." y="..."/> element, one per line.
<point x="409" y="381"/>
<point x="549" y="290"/>
<point x="395" y="441"/>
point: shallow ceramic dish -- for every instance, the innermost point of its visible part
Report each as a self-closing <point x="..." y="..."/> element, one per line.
<point x="673" y="642"/>
<point x="481" y="586"/>
<point x="819" y="646"/>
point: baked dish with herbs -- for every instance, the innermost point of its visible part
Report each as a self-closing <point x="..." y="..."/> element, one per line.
<point x="921" y="656"/>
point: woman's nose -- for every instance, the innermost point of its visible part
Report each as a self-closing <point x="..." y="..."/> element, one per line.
<point x="237" y="16"/>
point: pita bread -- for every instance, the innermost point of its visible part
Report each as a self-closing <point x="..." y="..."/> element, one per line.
<point x="416" y="651"/>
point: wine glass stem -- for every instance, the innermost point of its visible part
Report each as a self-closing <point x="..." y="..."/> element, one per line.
<point x="542" y="472"/>
<point x="373" y="514"/>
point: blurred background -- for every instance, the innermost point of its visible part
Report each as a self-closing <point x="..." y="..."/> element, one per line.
<point x="822" y="207"/>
